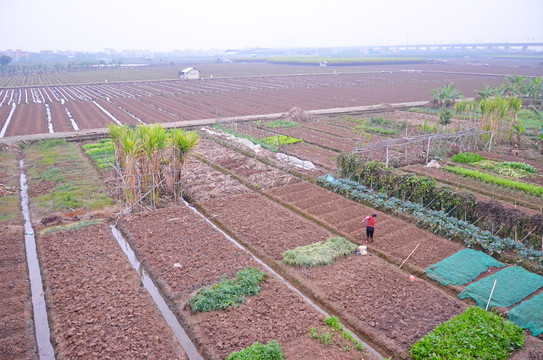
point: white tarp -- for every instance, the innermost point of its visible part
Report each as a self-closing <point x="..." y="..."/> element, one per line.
<point x="294" y="161"/>
<point x="433" y="164"/>
<point x="256" y="148"/>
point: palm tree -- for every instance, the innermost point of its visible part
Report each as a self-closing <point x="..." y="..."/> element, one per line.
<point x="514" y="85"/>
<point x="534" y="90"/>
<point x="446" y="95"/>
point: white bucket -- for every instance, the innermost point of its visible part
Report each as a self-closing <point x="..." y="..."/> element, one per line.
<point x="363" y="249"/>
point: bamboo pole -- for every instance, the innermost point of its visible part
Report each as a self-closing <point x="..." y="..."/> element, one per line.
<point x="490" y="297"/>
<point x="410" y="255"/>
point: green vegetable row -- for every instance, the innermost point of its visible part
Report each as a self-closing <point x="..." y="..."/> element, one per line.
<point x="488" y="178"/>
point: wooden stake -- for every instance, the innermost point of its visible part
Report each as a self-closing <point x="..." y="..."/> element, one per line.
<point x="410" y="255"/>
<point x="490" y="297"/>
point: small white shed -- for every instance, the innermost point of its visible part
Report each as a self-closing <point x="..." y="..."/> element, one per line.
<point x="189" y="73"/>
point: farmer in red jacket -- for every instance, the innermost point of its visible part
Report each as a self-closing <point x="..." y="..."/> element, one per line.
<point x="370" y="228"/>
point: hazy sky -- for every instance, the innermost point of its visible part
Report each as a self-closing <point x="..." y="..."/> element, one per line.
<point x="162" y="25"/>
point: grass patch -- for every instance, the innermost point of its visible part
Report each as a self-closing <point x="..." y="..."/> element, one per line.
<point x="9" y="183"/>
<point x="319" y="253"/>
<point x="281" y="124"/>
<point x="377" y="130"/>
<point x="228" y="292"/>
<point x="474" y="334"/>
<point x="72" y="226"/>
<point x="53" y="174"/>
<point x="9" y="208"/>
<point x="467" y="158"/>
<point x="492" y="179"/>
<point x="78" y="185"/>
<point x="258" y="351"/>
<point x="330" y="334"/>
<point x="530" y="120"/>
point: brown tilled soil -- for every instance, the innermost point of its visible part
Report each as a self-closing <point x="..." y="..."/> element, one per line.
<point x="393" y="236"/>
<point x="97" y="306"/>
<point x="370" y="293"/>
<point x="179" y="236"/>
<point x="17" y="338"/>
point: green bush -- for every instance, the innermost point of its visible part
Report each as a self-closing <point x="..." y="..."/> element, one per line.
<point x="228" y="292"/>
<point x="258" y="351"/>
<point x="488" y="178"/>
<point x="467" y="158"/>
<point x="319" y="253"/>
<point x="474" y="334"/>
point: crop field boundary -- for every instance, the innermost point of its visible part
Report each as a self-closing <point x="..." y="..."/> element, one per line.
<point x="93" y="134"/>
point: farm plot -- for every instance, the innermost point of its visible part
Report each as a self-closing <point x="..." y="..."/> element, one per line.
<point x="251" y="170"/>
<point x="353" y="294"/>
<point x="17" y="339"/>
<point x="144" y="111"/>
<point x="61" y="180"/>
<point x="265" y="156"/>
<point x="61" y="121"/>
<point x="28" y="119"/>
<point x="97" y="305"/>
<point x="87" y="114"/>
<point x="302" y="150"/>
<point x="204" y="256"/>
<point x="231" y="97"/>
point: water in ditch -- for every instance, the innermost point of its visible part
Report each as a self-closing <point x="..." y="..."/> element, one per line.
<point x="41" y="323"/>
<point x="168" y="315"/>
<point x="306" y="299"/>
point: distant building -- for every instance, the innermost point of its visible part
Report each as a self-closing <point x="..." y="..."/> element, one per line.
<point x="189" y="73"/>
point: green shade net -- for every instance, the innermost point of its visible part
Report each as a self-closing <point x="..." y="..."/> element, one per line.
<point x="529" y="315"/>
<point x="462" y="267"/>
<point x="514" y="284"/>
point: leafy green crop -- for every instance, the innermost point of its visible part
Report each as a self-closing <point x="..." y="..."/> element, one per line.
<point x="319" y="253"/>
<point x="103" y="153"/>
<point x="488" y="178"/>
<point x="327" y="338"/>
<point x="474" y="334"/>
<point x="281" y="140"/>
<point x="467" y="158"/>
<point x="228" y="292"/>
<point x="258" y="351"/>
